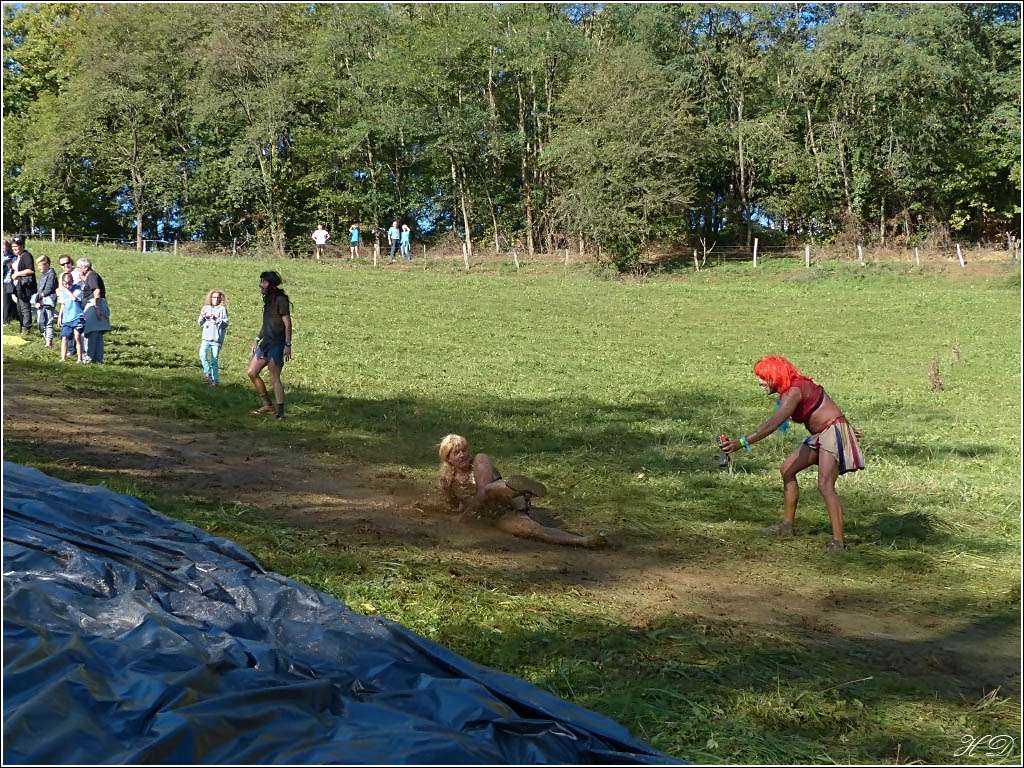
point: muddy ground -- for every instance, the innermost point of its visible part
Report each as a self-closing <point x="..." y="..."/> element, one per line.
<point x="345" y="499"/>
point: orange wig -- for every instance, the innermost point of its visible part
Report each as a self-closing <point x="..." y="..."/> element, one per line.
<point x="778" y="372"/>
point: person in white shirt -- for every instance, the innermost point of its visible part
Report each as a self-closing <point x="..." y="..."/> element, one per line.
<point x="320" y="238"/>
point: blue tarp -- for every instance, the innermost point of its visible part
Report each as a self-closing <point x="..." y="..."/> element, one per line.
<point x="130" y="637"/>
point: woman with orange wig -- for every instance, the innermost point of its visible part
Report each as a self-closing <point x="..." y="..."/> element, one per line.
<point x="832" y="445"/>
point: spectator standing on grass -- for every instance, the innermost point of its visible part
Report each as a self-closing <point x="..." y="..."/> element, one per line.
<point x="320" y="237"/>
<point x="23" y="274"/>
<point x="96" y="313"/>
<point x="70" y="317"/>
<point x="67" y="266"/>
<point x="213" y="318"/>
<point x="10" y="305"/>
<point x="406" y="242"/>
<point x="273" y="347"/>
<point x="353" y="241"/>
<point x="46" y="299"/>
<point x="394" y="240"/>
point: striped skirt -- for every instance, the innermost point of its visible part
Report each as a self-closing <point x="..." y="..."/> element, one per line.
<point x="839" y="439"/>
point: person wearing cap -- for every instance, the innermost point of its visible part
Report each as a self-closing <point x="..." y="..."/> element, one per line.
<point x="273" y="347"/>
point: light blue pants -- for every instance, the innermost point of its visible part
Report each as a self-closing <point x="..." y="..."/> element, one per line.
<point x="209" y="351"/>
<point x="94" y="346"/>
<point x="45" y="317"/>
<point x="407" y="251"/>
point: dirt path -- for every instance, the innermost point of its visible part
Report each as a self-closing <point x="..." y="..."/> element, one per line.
<point x="345" y="499"/>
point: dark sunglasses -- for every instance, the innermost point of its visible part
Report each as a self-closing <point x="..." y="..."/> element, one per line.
<point x="65" y="263"/>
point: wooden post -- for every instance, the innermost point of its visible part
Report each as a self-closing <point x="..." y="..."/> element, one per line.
<point x="53" y="235"/>
<point x="143" y="246"/>
<point x="860" y="254"/>
<point x="376" y="250"/>
<point x="807" y="255"/>
<point x="696" y="264"/>
<point x="515" y="258"/>
<point x="97" y="241"/>
<point x="175" y="246"/>
<point x="755" y="251"/>
<point x="960" y="256"/>
<point x="424" y="247"/>
<point x="234" y="246"/>
<point x="917" y="257"/>
<point x="566" y="255"/>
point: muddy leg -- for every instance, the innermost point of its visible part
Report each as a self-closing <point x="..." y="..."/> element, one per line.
<point x="525" y="527"/>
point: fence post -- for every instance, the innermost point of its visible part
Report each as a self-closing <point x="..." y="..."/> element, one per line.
<point x="97" y="241"/>
<point x="696" y="264"/>
<point x="755" y="251"/>
<point x="175" y="246"/>
<point x="424" y="247"/>
<point x="917" y="257"/>
<point x="234" y="246"/>
<point x="515" y="258"/>
<point x="860" y="254"/>
<point x="807" y="255"/>
<point x="53" y="235"/>
<point x="960" y="256"/>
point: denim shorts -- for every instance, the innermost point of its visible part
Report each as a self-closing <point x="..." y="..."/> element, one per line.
<point x="67" y="330"/>
<point x="273" y="353"/>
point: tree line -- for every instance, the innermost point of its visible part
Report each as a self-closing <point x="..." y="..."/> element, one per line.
<point x="612" y="128"/>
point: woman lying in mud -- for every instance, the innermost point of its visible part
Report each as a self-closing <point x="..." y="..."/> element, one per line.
<point x="474" y="487"/>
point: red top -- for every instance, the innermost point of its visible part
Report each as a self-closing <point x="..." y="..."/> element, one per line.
<point x="811" y="395"/>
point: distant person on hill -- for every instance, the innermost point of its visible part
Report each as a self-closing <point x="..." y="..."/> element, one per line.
<point x="353" y="241"/>
<point x="473" y="486"/>
<point x="406" y="242"/>
<point x="46" y="299"/>
<point x="96" y="313"/>
<point x="320" y="237"/>
<point x="394" y="240"/>
<point x="832" y="445"/>
<point x="23" y="275"/>
<point x="213" y="318"/>
<point x="70" y="318"/>
<point x="273" y="347"/>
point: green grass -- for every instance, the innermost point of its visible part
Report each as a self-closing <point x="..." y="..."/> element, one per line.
<point x="611" y="392"/>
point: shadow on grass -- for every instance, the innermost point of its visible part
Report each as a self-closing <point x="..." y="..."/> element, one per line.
<point x="766" y="698"/>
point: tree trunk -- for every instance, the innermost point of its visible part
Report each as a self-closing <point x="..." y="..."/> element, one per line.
<point x="524" y="175"/>
<point x="458" y="188"/>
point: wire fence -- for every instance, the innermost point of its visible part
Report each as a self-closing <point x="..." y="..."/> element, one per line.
<point x="451" y="250"/>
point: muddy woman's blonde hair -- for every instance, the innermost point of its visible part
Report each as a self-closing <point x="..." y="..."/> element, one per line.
<point x="444" y="449"/>
<point x="223" y="297"/>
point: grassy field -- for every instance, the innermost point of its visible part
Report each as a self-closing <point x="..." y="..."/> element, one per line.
<point x="611" y="392"/>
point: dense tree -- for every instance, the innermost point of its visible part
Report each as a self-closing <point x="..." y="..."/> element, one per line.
<point x="612" y="127"/>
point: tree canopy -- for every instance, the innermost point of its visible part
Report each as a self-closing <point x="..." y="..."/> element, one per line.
<point x="613" y="126"/>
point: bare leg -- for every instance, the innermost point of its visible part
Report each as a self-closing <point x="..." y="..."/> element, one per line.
<point x="828" y="472"/>
<point x="525" y="527"/>
<point x="275" y="381"/>
<point x="489" y="485"/>
<point x="256" y="365"/>
<point x="79" y="345"/>
<point x="798" y="460"/>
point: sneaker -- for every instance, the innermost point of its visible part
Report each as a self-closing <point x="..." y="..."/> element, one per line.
<point x="526" y="485"/>
<point x="264" y="410"/>
<point x="836" y="546"/>
<point x="782" y="530"/>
